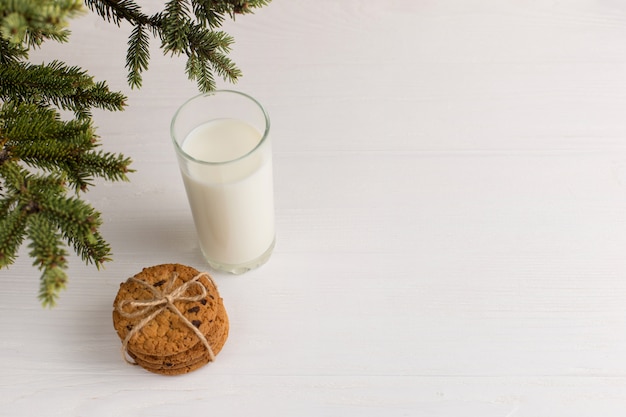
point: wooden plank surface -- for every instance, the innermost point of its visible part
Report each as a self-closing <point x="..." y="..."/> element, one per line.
<point x="451" y="221"/>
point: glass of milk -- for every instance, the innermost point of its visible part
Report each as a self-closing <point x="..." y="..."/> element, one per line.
<point x="225" y="157"/>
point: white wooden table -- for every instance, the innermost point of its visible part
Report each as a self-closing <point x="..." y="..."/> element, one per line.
<point x="451" y="221"/>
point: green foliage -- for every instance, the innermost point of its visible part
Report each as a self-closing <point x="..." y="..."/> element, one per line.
<point x="184" y="27"/>
<point x="47" y="162"/>
<point x="27" y="23"/>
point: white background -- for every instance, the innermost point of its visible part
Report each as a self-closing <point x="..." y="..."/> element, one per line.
<point x="451" y="221"/>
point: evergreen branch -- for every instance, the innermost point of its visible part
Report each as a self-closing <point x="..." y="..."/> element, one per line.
<point x="36" y="136"/>
<point x="138" y="55"/>
<point x="205" y="44"/>
<point x="207" y="15"/>
<point x="96" y="96"/>
<point x="71" y="215"/>
<point x="94" y="250"/>
<point x="80" y="171"/>
<point x="200" y="70"/>
<point x="37" y="185"/>
<point x="117" y="11"/>
<point x="12" y="232"/>
<point x="78" y="223"/>
<point x="47" y="250"/>
<point x="26" y="123"/>
<point x="74" y="175"/>
<point x="37" y="153"/>
<point x="30" y="23"/>
<point x="214" y="11"/>
<point x="175" y="27"/>
<point x="18" y="204"/>
<point x="11" y="53"/>
<point x="248" y="6"/>
<point x="14" y="177"/>
<point x="112" y="167"/>
<point x="68" y="88"/>
<point x="8" y="202"/>
<point x="224" y="67"/>
<point x="184" y="27"/>
<point x="53" y="279"/>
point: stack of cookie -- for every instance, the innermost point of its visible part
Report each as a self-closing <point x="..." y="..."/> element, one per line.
<point x="170" y="318"/>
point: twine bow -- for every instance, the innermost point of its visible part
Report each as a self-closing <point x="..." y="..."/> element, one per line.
<point x="161" y="301"/>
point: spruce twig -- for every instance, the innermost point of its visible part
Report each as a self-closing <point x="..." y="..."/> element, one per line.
<point x="184" y="27"/>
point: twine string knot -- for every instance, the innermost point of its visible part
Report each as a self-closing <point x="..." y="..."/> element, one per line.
<point x="161" y="301"/>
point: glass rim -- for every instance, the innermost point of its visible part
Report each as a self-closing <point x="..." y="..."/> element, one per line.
<point x="180" y="150"/>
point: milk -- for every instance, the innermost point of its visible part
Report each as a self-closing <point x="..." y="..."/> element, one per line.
<point x="231" y="202"/>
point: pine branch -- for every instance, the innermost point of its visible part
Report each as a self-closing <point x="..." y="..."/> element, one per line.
<point x="224" y="67"/>
<point x="217" y="10"/>
<point x="79" y="224"/>
<point x="68" y="88"/>
<point x="96" y="96"/>
<point x="18" y="203"/>
<point x="13" y="177"/>
<point x="200" y="70"/>
<point x="175" y="27"/>
<point x="110" y="166"/>
<point x="62" y="154"/>
<point x="12" y="233"/>
<point x="10" y="54"/>
<point x="38" y="137"/>
<point x="183" y="27"/>
<point x="31" y="22"/>
<point x="138" y="55"/>
<point x="205" y="44"/>
<point x="116" y="11"/>
<point x="35" y="206"/>
<point x="49" y="254"/>
<point x="207" y="15"/>
<point x="25" y="122"/>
